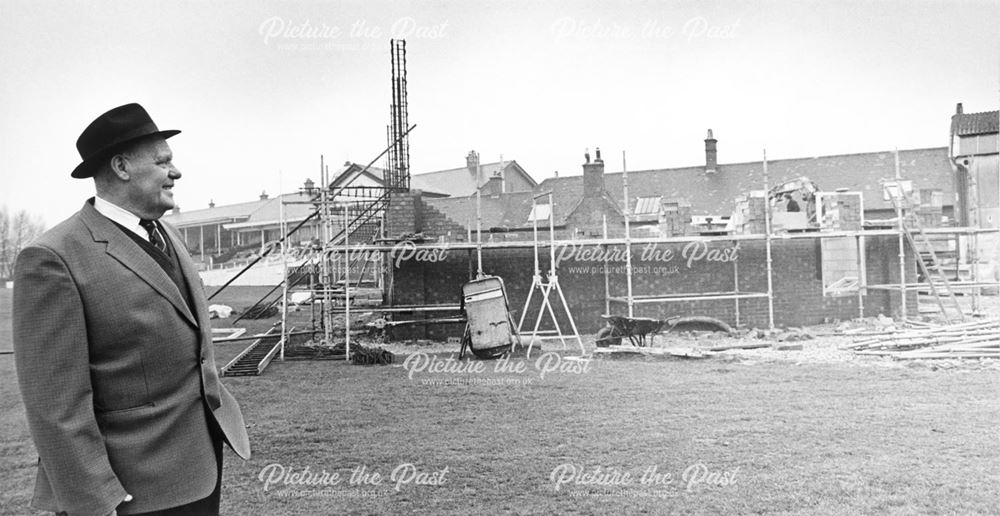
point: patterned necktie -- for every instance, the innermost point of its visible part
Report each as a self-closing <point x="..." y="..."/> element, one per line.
<point x="155" y="237"/>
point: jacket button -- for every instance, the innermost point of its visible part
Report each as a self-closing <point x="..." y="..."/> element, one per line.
<point x="202" y="360"/>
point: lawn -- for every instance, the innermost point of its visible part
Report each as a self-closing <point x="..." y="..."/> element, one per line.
<point x="5" y="330"/>
<point x="718" y="436"/>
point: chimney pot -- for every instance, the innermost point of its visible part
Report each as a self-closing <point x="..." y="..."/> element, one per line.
<point x="586" y="155"/>
<point x="958" y="109"/>
<point x="263" y="195"/>
<point x="211" y="203"/>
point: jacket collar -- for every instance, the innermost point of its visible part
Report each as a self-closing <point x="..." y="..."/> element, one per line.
<point x="122" y="248"/>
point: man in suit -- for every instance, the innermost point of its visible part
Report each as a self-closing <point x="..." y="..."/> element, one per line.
<point x="113" y="345"/>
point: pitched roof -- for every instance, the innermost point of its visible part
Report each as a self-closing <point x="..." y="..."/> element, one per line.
<point x="459" y="182"/>
<point x="245" y="214"/>
<point x="970" y="124"/>
<point x="271" y="211"/>
<point x="508" y="210"/>
<point x="227" y="213"/>
<point x="714" y="194"/>
<point x="352" y="170"/>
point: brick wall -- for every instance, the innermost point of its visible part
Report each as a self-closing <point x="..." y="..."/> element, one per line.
<point x="408" y="213"/>
<point x="437" y="224"/>
<point x="402" y="216"/>
<point x="797" y="283"/>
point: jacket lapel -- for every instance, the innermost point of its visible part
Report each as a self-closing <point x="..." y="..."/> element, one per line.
<point x="210" y="376"/>
<point x="190" y="273"/>
<point x="122" y="248"/>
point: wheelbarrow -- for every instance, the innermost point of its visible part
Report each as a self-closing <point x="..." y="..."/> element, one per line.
<point x="639" y="330"/>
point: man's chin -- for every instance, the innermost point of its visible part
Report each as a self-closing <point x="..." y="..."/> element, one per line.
<point x="167" y="200"/>
<point x="165" y="206"/>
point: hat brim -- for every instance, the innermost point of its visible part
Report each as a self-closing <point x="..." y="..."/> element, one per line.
<point x="88" y="166"/>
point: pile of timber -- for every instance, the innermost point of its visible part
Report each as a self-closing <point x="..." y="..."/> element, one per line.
<point x="977" y="339"/>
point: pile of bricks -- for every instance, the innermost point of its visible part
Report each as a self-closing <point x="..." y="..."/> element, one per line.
<point x="749" y="214"/>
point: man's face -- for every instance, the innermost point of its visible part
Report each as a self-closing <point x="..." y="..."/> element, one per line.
<point x="151" y="178"/>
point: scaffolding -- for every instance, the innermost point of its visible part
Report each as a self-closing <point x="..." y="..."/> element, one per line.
<point x="550" y="245"/>
<point x="630" y="299"/>
<point x="904" y="234"/>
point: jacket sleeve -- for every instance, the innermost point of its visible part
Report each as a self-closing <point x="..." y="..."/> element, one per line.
<point x="53" y="370"/>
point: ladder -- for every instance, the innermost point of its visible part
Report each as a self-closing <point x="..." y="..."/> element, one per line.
<point x="938" y="280"/>
<point x="256" y="357"/>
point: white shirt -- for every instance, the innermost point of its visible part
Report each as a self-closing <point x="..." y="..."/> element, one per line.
<point x="120" y="215"/>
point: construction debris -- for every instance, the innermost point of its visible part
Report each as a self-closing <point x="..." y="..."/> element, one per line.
<point x="977" y="339"/>
<point x="649" y="352"/>
<point x="219" y="311"/>
<point x="361" y="355"/>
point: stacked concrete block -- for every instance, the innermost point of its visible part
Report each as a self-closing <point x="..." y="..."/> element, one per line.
<point x="842" y="211"/>
<point x="676" y="218"/>
<point x="929" y="206"/>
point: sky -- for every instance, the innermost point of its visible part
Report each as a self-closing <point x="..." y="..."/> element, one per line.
<point x="262" y="89"/>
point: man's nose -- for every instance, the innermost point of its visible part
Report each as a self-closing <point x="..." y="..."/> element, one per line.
<point x="174" y="173"/>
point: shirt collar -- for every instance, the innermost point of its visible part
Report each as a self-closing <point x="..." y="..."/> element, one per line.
<point x="120" y="215"/>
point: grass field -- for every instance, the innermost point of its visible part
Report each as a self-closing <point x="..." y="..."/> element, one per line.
<point x="5" y="330"/>
<point x="717" y="436"/>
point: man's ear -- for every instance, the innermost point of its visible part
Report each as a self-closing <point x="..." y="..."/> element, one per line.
<point x="120" y="166"/>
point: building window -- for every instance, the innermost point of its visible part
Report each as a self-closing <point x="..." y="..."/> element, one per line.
<point x="647" y="205"/>
<point x="540" y="213"/>
<point x="842" y="275"/>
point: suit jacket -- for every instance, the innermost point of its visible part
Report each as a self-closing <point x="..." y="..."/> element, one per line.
<point x="117" y="372"/>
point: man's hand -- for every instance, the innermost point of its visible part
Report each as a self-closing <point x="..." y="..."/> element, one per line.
<point x="128" y="498"/>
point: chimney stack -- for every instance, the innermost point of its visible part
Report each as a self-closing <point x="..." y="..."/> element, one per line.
<point x="958" y="109"/>
<point x="493" y="186"/>
<point x="472" y="162"/>
<point x="593" y="176"/>
<point x="211" y="203"/>
<point x="263" y="195"/>
<point x="711" y="154"/>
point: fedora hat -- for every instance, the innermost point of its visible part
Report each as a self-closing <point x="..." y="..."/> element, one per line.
<point x="111" y="132"/>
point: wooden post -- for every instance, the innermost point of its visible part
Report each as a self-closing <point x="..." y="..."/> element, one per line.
<point x="607" y="278"/>
<point x="861" y="275"/>
<point x="736" y="286"/>
<point x="767" y="247"/>
<point x="284" y="273"/>
<point x="347" y="288"/>
<point x="479" y="222"/>
<point x="901" y="242"/>
<point x="628" y="243"/>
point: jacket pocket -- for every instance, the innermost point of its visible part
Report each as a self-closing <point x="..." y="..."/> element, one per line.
<point x="127" y="409"/>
